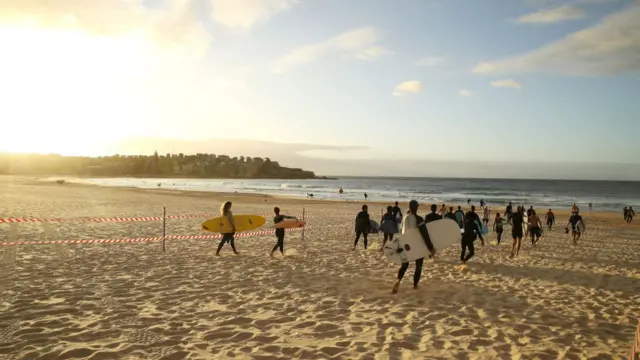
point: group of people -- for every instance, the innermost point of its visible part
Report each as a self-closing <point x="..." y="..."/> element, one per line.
<point x="628" y="214"/>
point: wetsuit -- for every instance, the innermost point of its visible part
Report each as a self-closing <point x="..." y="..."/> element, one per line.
<point x="508" y="212"/>
<point x="389" y="226"/>
<point x="517" y="223"/>
<point x="228" y="237"/>
<point x="432" y="217"/>
<point x="573" y="220"/>
<point x="499" y="225"/>
<point x="451" y="216"/>
<point x="362" y="227"/>
<point x="412" y="221"/>
<point x="471" y="232"/>
<point x="551" y="218"/>
<point x="472" y="216"/>
<point x="280" y="233"/>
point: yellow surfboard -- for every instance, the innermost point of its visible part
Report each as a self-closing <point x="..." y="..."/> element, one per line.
<point x="243" y="223"/>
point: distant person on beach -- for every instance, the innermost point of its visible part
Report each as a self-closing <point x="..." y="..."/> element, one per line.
<point x="550" y="219"/>
<point x="517" y="219"/>
<point x="574" y="220"/>
<point x="341" y="191"/>
<point x="279" y="232"/>
<point x="397" y="213"/>
<point x="363" y="223"/>
<point x="433" y="215"/>
<point x="411" y="221"/>
<point x="535" y="228"/>
<point x="482" y="203"/>
<point x="468" y="201"/>
<point x="574" y="208"/>
<point x="486" y="213"/>
<point x="450" y="215"/>
<point x="630" y="214"/>
<point x="508" y="211"/>
<point x="225" y="211"/>
<point x="625" y="212"/>
<point x="472" y="231"/>
<point x="590" y="206"/>
<point x="388" y="225"/>
<point x="366" y="196"/>
<point x="443" y="210"/>
<point x="460" y="217"/>
<point x="498" y="227"/>
<point x="530" y="212"/>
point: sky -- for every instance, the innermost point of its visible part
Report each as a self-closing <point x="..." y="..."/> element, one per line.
<point x="511" y="81"/>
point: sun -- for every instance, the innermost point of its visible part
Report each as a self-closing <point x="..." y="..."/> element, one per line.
<point x="64" y="90"/>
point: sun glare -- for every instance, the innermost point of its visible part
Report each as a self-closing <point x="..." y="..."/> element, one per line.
<point x="63" y="90"/>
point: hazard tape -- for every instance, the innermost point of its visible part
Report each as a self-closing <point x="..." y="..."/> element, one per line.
<point x="137" y="240"/>
<point x="635" y="348"/>
<point x="15" y="220"/>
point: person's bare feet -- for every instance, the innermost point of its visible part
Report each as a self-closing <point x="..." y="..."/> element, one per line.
<point x="415" y="286"/>
<point x="271" y="254"/>
<point x="237" y="253"/>
<point x="217" y="254"/>
<point x="396" y="287"/>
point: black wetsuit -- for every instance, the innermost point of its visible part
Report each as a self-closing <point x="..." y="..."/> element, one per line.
<point x="432" y="217"/>
<point x="280" y="233"/>
<point x="516" y="228"/>
<point x="508" y="212"/>
<point x="471" y="232"/>
<point x="573" y="220"/>
<point x="499" y="229"/>
<point x="451" y="216"/>
<point x="395" y="211"/>
<point x="363" y="224"/>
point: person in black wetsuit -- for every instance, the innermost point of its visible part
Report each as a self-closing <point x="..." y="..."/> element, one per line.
<point x="450" y="215"/>
<point x="508" y="211"/>
<point x="279" y="232"/>
<point x="575" y="230"/>
<point x="433" y="215"/>
<point x="410" y="221"/>
<point x="517" y="230"/>
<point x="472" y="215"/>
<point x="225" y="211"/>
<point x="388" y="225"/>
<point x="498" y="227"/>
<point x="363" y="224"/>
<point x="630" y="214"/>
<point x="397" y="211"/>
<point x="625" y="212"/>
<point x="472" y="231"/>
<point x="550" y="219"/>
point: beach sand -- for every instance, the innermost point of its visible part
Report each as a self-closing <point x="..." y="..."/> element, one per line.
<point x="321" y="301"/>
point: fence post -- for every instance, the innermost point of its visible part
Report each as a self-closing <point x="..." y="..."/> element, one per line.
<point x="164" y="227"/>
<point x="303" y="225"/>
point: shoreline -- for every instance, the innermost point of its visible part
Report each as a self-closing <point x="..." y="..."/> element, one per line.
<point x="261" y="198"/>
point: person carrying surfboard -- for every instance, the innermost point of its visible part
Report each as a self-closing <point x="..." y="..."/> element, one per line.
<point x="225" y="211"/>
<point x="472" y="230"/>
<point x="397" y="213"/>
<point x="577" y="226"/>
<point x="460" y="217"/>
<point x="411" y="221"/>
<point x="388" y="225"/>
<point x="280" y="231"/>
<point x="550" y="219"/>
<point x="363" y="223"/>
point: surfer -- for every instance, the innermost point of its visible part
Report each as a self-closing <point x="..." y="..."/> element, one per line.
<point x="472" y="231"/>
<point x="508" y="211"/>
<point x="459" y="216"/>
<point x="411" y="221"/>
<point x="625" y="212"/>
<point x="575" y="220"/>
<point x="225" y="210"/>
<point x="341" y="191"/>
<point x="535" y="229"/>
<point x="530" y="212"/>
<point x="450" y="214"/>
<point x="388" y="225"/>
<point x="486" y="213"/>
<point x="471" y="215"/>
<point x="498" y="227"/>
<point x="366" y="196"/>
<point x="574" y="208"/>
<point x="550" y="219"/>
<point x="432" y="216"/>
<point x="363" y="223"/>
<point x="482" y="203"/>
<point x="397" y="213"/>
<point x="279" y="232"/>
<point x="517" y="219"/>
<point x="630" y="214"/>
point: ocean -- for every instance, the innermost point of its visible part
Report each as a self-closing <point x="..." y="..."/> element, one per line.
<point x="604" y="195"/>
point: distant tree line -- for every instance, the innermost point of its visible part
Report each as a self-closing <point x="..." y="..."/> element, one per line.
<point x="169" y="165"/>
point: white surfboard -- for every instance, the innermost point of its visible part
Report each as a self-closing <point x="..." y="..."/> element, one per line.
<point x="580" y="226"/>
<point x="410" y="246"/>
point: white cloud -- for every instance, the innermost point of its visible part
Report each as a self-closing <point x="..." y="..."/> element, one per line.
<point x="465" y="93"/>
<point x="359" y="42"/>
<point x="247" y="13"/>
<point x="411" y="86"/>
<point x="510" y="83"/>
<point x="373" y="53"/>
<point x="554" y="15"/>
<point x="610" y="47"/>
<point x="429" y="61"/>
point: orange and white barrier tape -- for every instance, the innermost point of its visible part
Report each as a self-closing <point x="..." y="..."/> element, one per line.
<point x="16" y="220"/>
<point x="137" y="240"/>
<point x="635" y="348"/>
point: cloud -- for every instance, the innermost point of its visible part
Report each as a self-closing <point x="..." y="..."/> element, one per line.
<point x="411" y="86"/>
<point x="373" y="53"/>
<point x="554" y="15"/>
<point x="245" y="14"/>
<point x="610" y="47"/>
<point x="510" y="83"/>
<point x="465" y="93"/>
<point x="429" y="61"/>
<point x="359" y="42"/>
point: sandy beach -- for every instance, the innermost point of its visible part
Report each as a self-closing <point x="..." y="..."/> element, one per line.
<point x="321" y="301"/>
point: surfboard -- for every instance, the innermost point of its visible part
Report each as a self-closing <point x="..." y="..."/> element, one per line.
<point x="580" y="226"/>
<point x="410" y="246"/>
<point x="483" y="228"/>
<point x="243" y="223"/>
<point x="374" y="227"/>
<point x="289" y="223"/>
